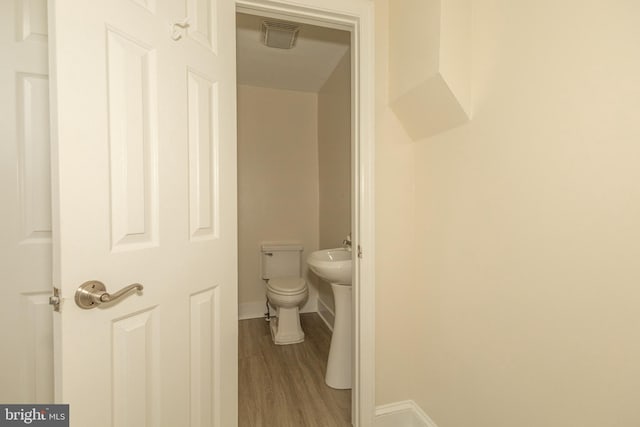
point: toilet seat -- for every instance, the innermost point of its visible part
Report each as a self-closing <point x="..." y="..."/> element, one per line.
<point x="287" y="285"/>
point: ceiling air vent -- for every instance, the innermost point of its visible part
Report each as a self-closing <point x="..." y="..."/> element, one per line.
<point x="279" y="34"/>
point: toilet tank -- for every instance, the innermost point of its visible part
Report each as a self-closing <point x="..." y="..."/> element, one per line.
<point x="281" y="260"/>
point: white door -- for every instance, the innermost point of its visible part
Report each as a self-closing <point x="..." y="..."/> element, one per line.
<point x="144" y="192"/>
<point x="26" y="352"/>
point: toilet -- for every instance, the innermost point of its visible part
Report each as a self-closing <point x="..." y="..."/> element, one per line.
<point x="286" y="290"/>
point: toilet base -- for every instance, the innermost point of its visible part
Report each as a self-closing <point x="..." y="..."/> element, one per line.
<point x="286" y="329"/>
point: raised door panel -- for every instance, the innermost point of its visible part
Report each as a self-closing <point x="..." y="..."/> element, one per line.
<point x="34" y="156"/>
<point x="150" y="5"/>
<point x="38" y="345"/>
<point x="203" y="15"/>
<point x="31" y="20"/>
<point x="205" y="361"/>
<point x="133" y="142"/>
<point x="135" y="376"/>
<point x="203" y="156"/>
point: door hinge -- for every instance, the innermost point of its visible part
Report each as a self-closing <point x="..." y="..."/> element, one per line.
<point x="55" y="299"/>
<point x="359" y="252"/>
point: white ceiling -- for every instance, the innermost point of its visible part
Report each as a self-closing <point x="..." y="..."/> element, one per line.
<point x="305" y="67"/>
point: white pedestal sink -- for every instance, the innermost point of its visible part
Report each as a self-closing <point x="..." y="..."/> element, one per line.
<point x="334" y="266"/>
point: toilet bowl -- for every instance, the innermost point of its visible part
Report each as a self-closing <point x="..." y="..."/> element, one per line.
<point x="286" y="290"/>
<point x="287" y="294"/>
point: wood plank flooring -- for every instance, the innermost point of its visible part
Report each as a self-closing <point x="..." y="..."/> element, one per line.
<point x="283" y="385"/>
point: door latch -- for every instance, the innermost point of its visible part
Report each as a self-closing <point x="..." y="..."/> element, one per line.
<point x="54" y="300"/>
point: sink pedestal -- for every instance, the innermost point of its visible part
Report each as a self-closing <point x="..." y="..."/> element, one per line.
<point x="334" y="266"/>
<point x="339" y="364"/>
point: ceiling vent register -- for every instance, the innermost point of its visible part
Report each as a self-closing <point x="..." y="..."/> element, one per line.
<point x="279" y="34"/>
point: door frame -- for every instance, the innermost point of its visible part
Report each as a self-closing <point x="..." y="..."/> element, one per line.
<point x="357" y="17"/>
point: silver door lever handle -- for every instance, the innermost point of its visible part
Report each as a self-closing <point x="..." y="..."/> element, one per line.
<point x="93" y="293"/>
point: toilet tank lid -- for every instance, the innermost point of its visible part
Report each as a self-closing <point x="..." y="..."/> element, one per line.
<point x="275" y="247"/>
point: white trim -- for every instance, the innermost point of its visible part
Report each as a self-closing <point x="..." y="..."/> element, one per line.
<point x="257" y="309"/>
<point x="402" y="414"/>
<point x="326" y="314"/>
<point x="356" y="16"/>
<point x="251" y="310"/>
<point x="363" y="396"/>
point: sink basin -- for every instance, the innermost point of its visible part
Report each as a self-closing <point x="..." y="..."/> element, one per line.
<point x="333" y="265"/>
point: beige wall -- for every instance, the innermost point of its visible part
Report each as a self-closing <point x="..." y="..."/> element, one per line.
<point x="277" y="181"/>
<point x="522" y="308"/>
<point x="334" y="155"/>
<point x="334" y="162"/>
<point x="394" y="235"/>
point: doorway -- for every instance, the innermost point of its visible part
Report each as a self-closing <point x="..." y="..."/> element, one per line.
<point x="294" y="189"/>
<point x="357" y="19"/>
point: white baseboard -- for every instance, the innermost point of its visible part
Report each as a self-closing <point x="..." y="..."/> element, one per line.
<point x="402" y="414"/>
<point x="256" y="309"/>
<point x="251" y="310"/>
<point x="326" y="314"/>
